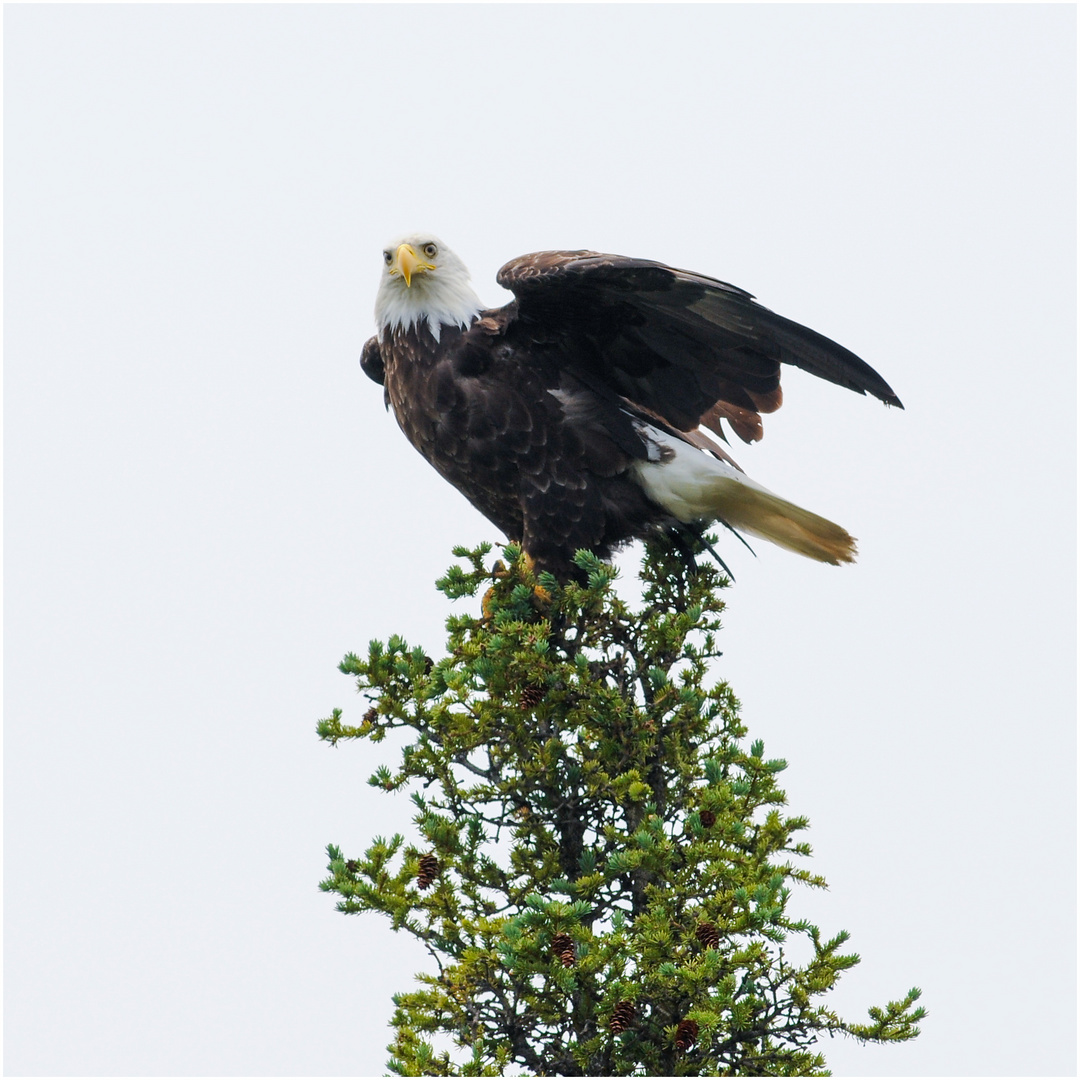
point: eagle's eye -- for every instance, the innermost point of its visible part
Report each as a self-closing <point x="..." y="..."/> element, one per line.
<point x="430" y="250"/>
<point x="388" y="257"/>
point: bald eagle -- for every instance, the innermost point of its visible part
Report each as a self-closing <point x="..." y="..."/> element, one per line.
<point x="572" y="417"/>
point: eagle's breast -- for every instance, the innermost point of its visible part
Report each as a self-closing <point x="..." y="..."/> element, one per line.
<point x="465" y="411"/>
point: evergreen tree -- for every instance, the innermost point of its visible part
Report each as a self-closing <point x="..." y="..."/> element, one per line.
<point x="603" y="868"/>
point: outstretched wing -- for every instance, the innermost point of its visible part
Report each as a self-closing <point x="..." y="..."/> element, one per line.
<point x="690" y="348"/>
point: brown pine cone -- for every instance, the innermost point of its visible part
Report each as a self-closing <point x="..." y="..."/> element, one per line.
<point x="532" y="695"/>
<point x="687" y="1034"/>
<point x="623" y="1017"/>
<point x="352" y="866"/>
<point x="371" y="715"/>
<point x="707" y="934"/>
<point x="708" y="819"/>
<point x="429" y="871"/>
<point x="562" y="946"/>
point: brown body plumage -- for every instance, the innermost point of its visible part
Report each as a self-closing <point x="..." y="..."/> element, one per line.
<point x="488" y="424"/>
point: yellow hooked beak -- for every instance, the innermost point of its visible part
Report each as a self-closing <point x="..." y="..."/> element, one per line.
<point x="407" y="262"/>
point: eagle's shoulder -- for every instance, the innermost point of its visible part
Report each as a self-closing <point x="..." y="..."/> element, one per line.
<point x="483" y="346"/>
<point x="494" y="321"/>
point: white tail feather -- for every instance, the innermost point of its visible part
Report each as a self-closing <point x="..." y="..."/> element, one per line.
<point x="694" y="486"/>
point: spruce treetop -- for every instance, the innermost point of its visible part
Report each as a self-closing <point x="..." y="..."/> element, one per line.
<point x="602" y="868"/>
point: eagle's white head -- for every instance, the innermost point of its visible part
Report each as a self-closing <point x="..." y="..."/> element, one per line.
<point x="422" y="279"/>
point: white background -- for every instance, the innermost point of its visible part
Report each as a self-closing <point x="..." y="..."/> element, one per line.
<point x="207" y="505"/>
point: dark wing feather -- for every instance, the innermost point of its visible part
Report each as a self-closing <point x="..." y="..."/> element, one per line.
<point x="676" y="342"/>
<point x="371" y="361"/>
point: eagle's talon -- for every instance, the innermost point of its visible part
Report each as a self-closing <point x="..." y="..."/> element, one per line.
<point x="540" y="594"/>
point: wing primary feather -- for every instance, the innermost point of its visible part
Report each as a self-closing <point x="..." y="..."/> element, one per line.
<point x="738" y="536"/>
<point x="821" y="356"/>
<point x="682" y="530"/>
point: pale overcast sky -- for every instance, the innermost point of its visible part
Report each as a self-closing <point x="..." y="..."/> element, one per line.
<point x="207" y="505"/>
